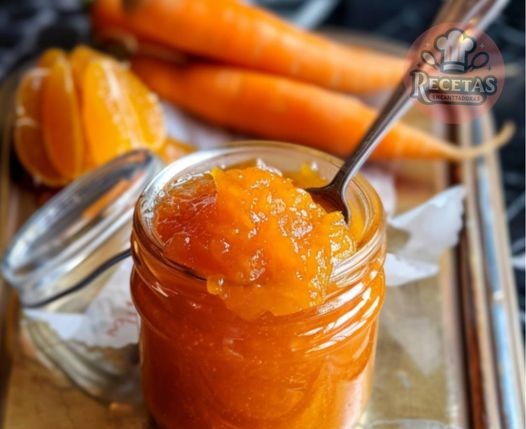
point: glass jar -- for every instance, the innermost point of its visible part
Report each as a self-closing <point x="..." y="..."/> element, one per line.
<point x="65" y="264"/>
<point x="205" y="367"/>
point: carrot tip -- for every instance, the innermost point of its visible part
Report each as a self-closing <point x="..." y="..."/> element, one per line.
<point x="498" y="140"/>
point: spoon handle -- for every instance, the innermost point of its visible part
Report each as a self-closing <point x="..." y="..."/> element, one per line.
<point x="479" y="14"/>
<point x="396" y="106"/>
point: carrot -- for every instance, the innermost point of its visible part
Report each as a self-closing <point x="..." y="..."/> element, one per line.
<point x="244" y="35"/>
<point x="282" y="109"/>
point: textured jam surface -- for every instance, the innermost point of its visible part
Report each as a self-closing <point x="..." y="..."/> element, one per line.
<point x="261" y="242"/>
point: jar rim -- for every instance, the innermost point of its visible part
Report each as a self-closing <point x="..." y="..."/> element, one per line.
<point x="372" y="238"/>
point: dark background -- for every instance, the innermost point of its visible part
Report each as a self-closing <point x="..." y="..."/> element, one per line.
<point x="28" y="26"/>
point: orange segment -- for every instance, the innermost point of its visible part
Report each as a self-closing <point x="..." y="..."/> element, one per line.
<point x="80" y="57"/>
<point x="62" y="128"/>
<point x="28" y="140"/>
<point x="148" y="110"/>
<point x="112" y="127"/>
<point x="50" y="56"/>
<point x="120" y="113"/>
<point x="88" y="162"/>
<point x="144" y="103"/>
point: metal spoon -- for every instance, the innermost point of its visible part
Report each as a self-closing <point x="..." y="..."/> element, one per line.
<point x="474" y="13"/>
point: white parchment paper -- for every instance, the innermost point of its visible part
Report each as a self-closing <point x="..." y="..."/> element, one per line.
<point x="432" y="228"/>
<point x="109" y="321"/>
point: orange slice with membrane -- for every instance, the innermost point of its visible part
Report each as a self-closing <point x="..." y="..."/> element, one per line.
<point x="112" y="127"/>
<point x="148" y="110"/>
<point x="50" y="56"/>
<point x="80" y="57"/>
<point x="62" y="128"/>
<point x="120" y="113"/>
<point x="28" y="140"/>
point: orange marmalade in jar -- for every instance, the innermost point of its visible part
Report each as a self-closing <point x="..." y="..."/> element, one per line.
<point x="259" y="307"/>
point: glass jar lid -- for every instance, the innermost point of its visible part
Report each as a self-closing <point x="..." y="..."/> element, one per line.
<point x="74" y="228"/>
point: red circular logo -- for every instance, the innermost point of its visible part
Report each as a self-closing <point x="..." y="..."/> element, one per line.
<point x="458" y="73"/>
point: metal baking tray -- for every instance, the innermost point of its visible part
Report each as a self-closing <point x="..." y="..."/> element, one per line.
<point x="449" y="351"/>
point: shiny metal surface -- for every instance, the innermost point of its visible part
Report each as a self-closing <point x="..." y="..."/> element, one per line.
<point x="496" y="354"/>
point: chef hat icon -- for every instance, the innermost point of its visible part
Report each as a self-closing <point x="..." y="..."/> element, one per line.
<point x="455" y="46"/>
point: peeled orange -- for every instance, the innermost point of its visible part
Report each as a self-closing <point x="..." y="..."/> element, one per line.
<point x="79" y="110"/>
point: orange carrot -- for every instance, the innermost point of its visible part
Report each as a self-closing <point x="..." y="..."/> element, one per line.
<point x="282" y="109"/>
<point x="244" y="35"/>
